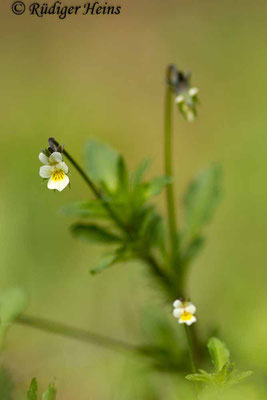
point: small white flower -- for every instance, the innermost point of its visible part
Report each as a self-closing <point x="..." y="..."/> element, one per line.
<point x="193" y="91"/>
<point x="55" y="170"/>
<point x="187" y="101"/>
<point x="184" y="311"/>
<point x="179" y="99"/>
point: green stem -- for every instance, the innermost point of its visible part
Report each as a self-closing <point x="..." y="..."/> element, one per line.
<point x="75" y="333"/>
<point x="190" y="352"/>
<point x="169" y="172"/>
<point x="190" y="349"/>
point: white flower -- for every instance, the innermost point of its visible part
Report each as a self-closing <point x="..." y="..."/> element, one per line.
<point x="187" y="101"/>
<point x="184" y="310"/>
<point x="55" y="170"/>
<point x="193" y="91"/>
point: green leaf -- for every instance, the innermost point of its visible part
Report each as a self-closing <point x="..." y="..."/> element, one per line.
<point x="153" y="230"/>
<point x="120" y="254"/>
<point x="203" y="376"/>
<point x="85" y="209"/>
<point x="155" y="186"/>
<point x="122" y="173"/>
<point x="140" y="171"/>
<point x="219" y="353"/>
<point x="50" y="394"/>
<point x="101" y="163"/>
<point x="33" y="389"/>
<point x="91" y="233"/>
<point x="105" y="263"/>
<point x="201" y="200"/>
<point x="235" y="376"/>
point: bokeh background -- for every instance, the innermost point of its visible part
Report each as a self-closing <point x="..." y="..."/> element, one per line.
<point x="103" y="77"/>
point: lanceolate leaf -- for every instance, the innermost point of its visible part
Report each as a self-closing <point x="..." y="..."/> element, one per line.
<point x="201" y="200"/>
<point x="50" y="394"/>
<point x="104" y="263"/>
<point x="33" y="390"/>
<point x="123" y="178"/>
<point x="155" y="186"/>
<point x="101" y="163"/>
<point x="140" y="171"/>
<point x="86" y="209"/>
<point x="91" y="233"/>
<point x="219" y="353"/>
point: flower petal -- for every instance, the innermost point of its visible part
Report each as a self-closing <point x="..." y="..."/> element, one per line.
<point x="191" y="321"/>
<point x="177" y="312"/>
<point x="193" y="91"/>
<point x="179" y="98"/>
<point x="177" y="304"/>
<point x="59" y="184"/>
<point x="62" y="166"/>
<point x="55" y="157"/>
<point x="45" y="171"/>
<point x="43" y="158"/>
<point x="191" y="309"/>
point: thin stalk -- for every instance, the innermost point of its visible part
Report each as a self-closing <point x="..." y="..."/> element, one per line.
<point x="169" y="171"/>
<point x="190" y="352"/>
<point x="75" y="333"/>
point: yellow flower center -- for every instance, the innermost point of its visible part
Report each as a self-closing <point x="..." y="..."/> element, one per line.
<point x="186" y="316"/>
<point x="58" y="175"/>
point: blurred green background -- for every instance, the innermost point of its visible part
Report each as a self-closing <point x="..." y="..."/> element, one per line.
<point x="103" y="76"/>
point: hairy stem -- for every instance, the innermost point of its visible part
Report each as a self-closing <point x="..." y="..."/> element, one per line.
<point x="75" y="333"/>
<point x="169" y="171"/>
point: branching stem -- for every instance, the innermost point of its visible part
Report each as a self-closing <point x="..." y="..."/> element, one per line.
<point x="75" y="333"/>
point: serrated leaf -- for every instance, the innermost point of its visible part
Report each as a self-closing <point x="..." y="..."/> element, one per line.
<point x="85" y="209"/>
<point x="155" y="186"/>
<point x="33" y="390"/>
<point x="92" y="233"/>
<point x="101" y="163"/>
<point x="219" y="353"/>
<point x="50" y="394"/>
<point x="235" y="376"/>
<point x="201" y="200"/>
